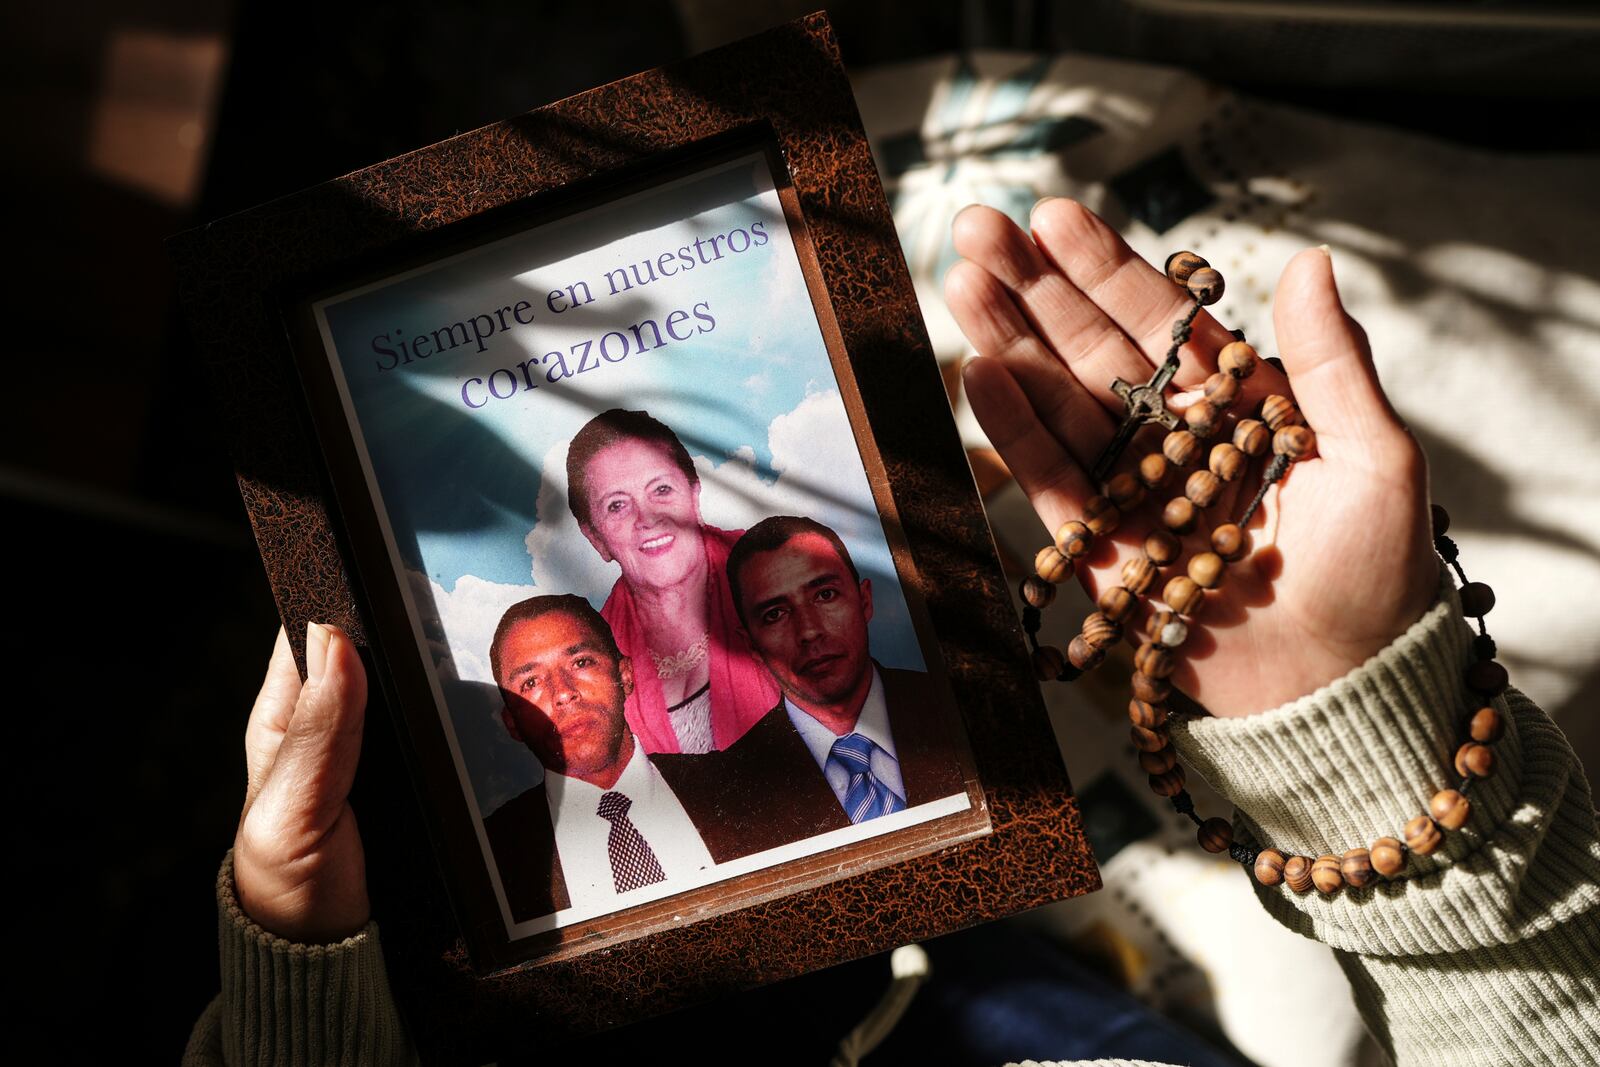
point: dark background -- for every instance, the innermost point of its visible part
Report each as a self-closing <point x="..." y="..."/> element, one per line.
<point x="143" y="620"/>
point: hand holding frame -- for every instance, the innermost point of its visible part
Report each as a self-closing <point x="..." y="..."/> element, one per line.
<point x="298" y="866"/>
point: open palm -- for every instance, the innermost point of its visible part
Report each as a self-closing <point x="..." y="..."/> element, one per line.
<point x="1339" y="560"/>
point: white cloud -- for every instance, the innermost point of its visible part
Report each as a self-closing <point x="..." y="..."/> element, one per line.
<point x="561" y="558"/>
<point x="469" y="616"/>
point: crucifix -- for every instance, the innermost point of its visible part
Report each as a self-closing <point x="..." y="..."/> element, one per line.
<point x="1144" y="404"/>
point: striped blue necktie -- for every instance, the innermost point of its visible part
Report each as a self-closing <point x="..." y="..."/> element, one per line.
<point x="865" y="797"/>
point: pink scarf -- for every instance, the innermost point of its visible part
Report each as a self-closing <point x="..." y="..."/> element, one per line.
<point x="741" y="689"/>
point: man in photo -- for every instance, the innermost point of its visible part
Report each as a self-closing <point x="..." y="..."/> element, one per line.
<point x="849" y="740"/>
<point x="603" y="821"/>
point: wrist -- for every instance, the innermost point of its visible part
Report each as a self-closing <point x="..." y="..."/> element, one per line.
<point x="311" y="901"/>
<point x="1360" y="756"/>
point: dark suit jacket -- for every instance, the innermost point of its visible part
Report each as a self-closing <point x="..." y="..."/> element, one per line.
<point x="523" y="841"/>
<point x="765" y="790"/>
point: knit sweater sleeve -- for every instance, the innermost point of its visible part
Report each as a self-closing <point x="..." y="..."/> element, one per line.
<point x="1485" y="952"/>
<point x="289" y="1005"/>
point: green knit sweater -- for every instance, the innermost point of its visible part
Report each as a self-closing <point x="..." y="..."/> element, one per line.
<point x="1487" y="952"/>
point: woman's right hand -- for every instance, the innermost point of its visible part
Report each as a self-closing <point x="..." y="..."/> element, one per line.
<point x="298" y="866"/>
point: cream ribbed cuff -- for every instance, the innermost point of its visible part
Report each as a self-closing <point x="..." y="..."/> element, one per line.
<point x="1488" y="951"/>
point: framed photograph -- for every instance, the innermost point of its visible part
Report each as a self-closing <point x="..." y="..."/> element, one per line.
<point x="612" y="435"/>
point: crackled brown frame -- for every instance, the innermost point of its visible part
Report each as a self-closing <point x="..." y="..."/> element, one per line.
<point x="246" y="283"/>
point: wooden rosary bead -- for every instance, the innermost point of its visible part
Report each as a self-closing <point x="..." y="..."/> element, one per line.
<point x="1326" y="876"/>
<point x="1101" y="515"/>
<point x="1160" y="761"/>
<point x="1084" y="656"/>
<point x="1051" y="565"/>
<point x="1215" y="835"/>
<point x="1222" y="389"/>
<point x="1037" y="592"/>
<point x="1100" y="631"/>
<point x="1278" y="412"/>
<point x="1237" y="360"/>
<point x="1356" y="867"/>
<point x="1227" y="462"/>
<point x="1169" y="783"/>
<point x="1138" y="575"/>
<point x="1153" y="690"/>
<point x="1162" y="547"/>
<point x="1179" y="515"/>
<point x="1388" y="856"/>
<point x="1228" y="542"/>
<point x="1150" y="716"/>
<point x="1116" y="603"/>
<point x="1203" y="418"/>
<point x="1488" y="678"/>
<point x="1296" y="442"/>
<point x="1269" y="867"/>
<point x="1074" y="539"/>
<point x="1154" y="660"/>
<point x="1180" y="265"/>
<point x="1153" y="470"/>
<point x="1206" y="569"/>
<point x="1297" y="873"/>
<point x="1441" y="520"/>
<point x="1167" y="629"/>
<point x="1422" y="836"/>
<point x="1181" y="447"/>
<point x="1486" y="726"/>
<point x="1206" y="285"/>
<point x="1146" y="739"/>
<point x="1450" y="809"/>
<point x="1184" y="595"/>
<point x="1477" y="599"/>
<point x="1202" y="488"/>
<point x="1474" y="760"/>
<point x="1048" y="663"/>
<point x="1252" y="437"/>
<point x="1125" y="491"/>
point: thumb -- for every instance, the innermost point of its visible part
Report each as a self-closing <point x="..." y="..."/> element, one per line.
<point x="310" y="779"/>
<point x="1329" y="362"/>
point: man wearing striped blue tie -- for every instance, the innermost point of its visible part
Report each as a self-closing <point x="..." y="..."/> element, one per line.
<point x="866" y="727"/>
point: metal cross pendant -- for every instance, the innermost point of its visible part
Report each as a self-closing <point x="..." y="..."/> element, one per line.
<point x="1145" y="404"/>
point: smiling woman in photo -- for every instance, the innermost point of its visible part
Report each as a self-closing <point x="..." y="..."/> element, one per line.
<point x="633" y="490"/>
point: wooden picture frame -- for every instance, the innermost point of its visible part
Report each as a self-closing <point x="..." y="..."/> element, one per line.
<point x="268" y="293"/>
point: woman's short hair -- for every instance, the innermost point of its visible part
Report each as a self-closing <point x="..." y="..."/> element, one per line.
<point x="605" y="430"/>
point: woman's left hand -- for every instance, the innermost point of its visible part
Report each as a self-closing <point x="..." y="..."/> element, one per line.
<point x="298" y="866"/>
<point x="1342" y="563"/>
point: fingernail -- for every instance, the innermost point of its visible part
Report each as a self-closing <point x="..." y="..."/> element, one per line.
<point x="1041" y="200"/>
<point x="1325" y="250"/>
<point x="316" y="650"/>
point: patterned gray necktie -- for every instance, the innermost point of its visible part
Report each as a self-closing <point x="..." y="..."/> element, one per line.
<point x="633" y="864"/>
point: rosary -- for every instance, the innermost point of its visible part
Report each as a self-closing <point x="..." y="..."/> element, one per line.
<point x="1280" y="427"/>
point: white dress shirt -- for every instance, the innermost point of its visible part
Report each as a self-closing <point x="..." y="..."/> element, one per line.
<point x="582" y="835"/>
<point x="872" y="723"/>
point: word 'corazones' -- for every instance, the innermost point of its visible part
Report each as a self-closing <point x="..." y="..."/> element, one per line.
<point x="587" y="355"/>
